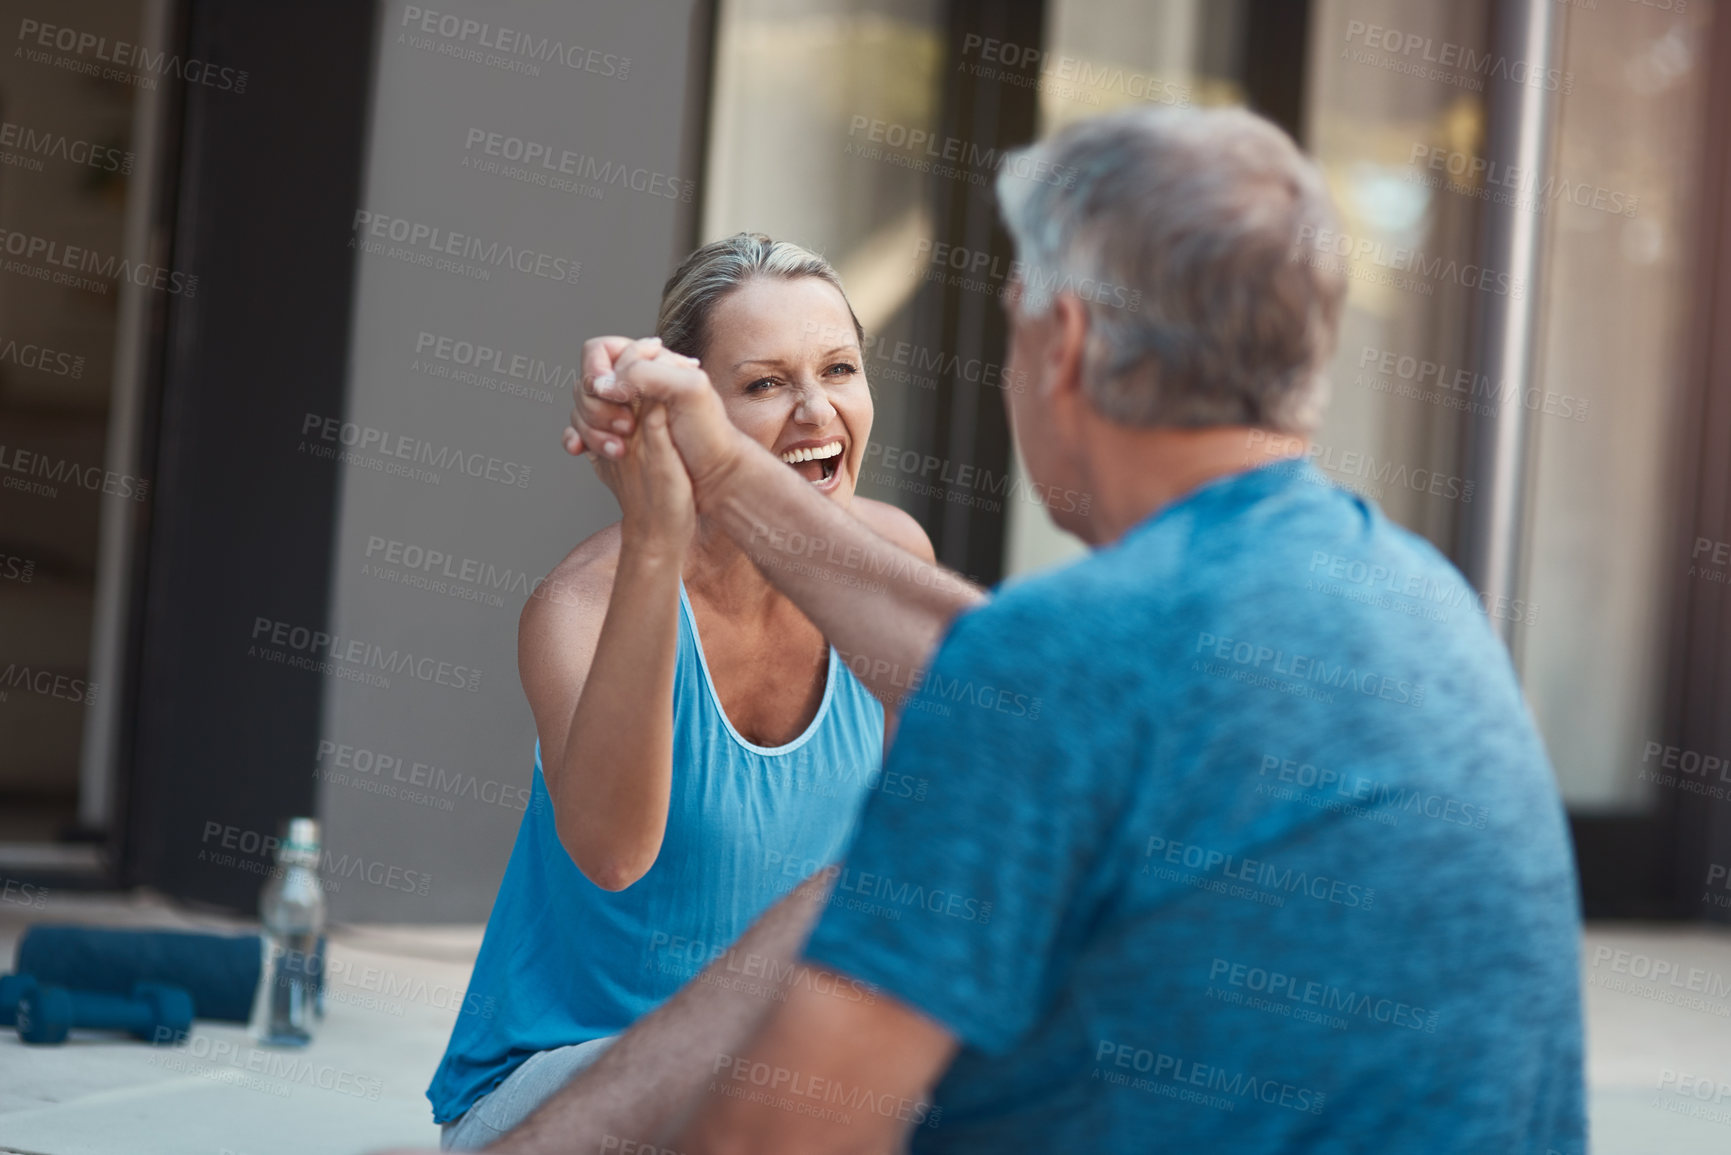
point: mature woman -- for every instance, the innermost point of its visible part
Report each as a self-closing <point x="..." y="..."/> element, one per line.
<point x="695" y="727"/>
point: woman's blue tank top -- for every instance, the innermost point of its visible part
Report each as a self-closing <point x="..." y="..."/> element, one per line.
<point x="564" y="961"/>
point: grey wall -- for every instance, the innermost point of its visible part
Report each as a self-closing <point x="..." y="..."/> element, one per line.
<point x="422" y="781"/>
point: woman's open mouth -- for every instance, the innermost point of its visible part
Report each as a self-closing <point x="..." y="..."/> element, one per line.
<point x="819" y="464"/>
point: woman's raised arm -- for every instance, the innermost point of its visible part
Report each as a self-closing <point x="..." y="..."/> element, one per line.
<point x="602" y="695"/>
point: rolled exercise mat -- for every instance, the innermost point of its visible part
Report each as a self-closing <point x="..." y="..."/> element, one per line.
<point x="220" y="971"/>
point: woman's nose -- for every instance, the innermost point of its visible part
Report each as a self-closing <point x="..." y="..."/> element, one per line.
<point x="814" y="406"/>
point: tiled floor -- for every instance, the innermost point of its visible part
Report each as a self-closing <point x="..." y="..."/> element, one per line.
<point x="1658" y="1005"/>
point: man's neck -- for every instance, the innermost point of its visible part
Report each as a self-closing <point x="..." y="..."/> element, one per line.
<point x="1131" y="473"/>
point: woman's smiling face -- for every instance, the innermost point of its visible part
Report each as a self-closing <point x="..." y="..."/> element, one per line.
<point x="786" y="360"/>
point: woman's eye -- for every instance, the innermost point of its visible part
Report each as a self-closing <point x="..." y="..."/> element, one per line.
<point x="760" y="385"/>
<point x="843" y="366"/>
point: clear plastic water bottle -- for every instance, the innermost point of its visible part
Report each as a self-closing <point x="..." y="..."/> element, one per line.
<point x="292" y="909"/>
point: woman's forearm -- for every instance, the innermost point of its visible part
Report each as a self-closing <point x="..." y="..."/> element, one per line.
<point x="610" y="794"/>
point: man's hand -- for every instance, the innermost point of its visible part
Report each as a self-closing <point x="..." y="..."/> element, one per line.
<point x="619" y="375"/>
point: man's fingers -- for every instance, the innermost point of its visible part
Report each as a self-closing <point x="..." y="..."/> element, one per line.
<point x="601" y="357"/>
<point x="665" y="379"/>
<point x="601" y="416"/>
<point x="612" y="385"/>
<point x="599" y="353"/>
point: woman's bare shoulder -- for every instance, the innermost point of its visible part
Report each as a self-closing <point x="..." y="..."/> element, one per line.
<point x="894" y="525"/>
<point x="575" y="592"/>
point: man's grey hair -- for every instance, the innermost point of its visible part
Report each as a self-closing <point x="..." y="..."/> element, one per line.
<point x="1179" y="230"/>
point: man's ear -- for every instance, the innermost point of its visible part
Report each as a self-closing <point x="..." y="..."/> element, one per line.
<point x="1069" y="320"/>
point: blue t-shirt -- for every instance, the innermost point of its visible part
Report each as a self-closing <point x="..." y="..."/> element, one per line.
<point x="1238" y="837"/>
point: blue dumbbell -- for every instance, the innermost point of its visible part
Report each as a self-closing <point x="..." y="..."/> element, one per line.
<point x="156" y="1013"/>
<point x="12" y="988"/>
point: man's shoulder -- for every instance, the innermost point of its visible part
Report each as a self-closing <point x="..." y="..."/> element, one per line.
<point x="1041" y="623"/>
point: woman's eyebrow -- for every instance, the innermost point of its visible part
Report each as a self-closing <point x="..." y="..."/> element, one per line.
<point x="779" y="362"/>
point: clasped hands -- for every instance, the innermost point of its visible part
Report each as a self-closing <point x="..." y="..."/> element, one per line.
<point x="656" y="434"/>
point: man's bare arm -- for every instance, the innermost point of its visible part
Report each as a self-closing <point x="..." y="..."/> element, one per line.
<point x="883" y="608"/>
<point x="648" y="1080"/>
<point x="880" y="605"/>
<point x="824" y="1049"/>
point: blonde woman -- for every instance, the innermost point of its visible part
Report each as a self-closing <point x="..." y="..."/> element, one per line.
<point x="695" y="728"/>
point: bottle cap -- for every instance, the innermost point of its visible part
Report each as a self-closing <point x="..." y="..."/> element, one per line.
<point x="301" y="840"/>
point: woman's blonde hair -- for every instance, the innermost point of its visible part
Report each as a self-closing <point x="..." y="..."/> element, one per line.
<point x="716" y="269"/>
